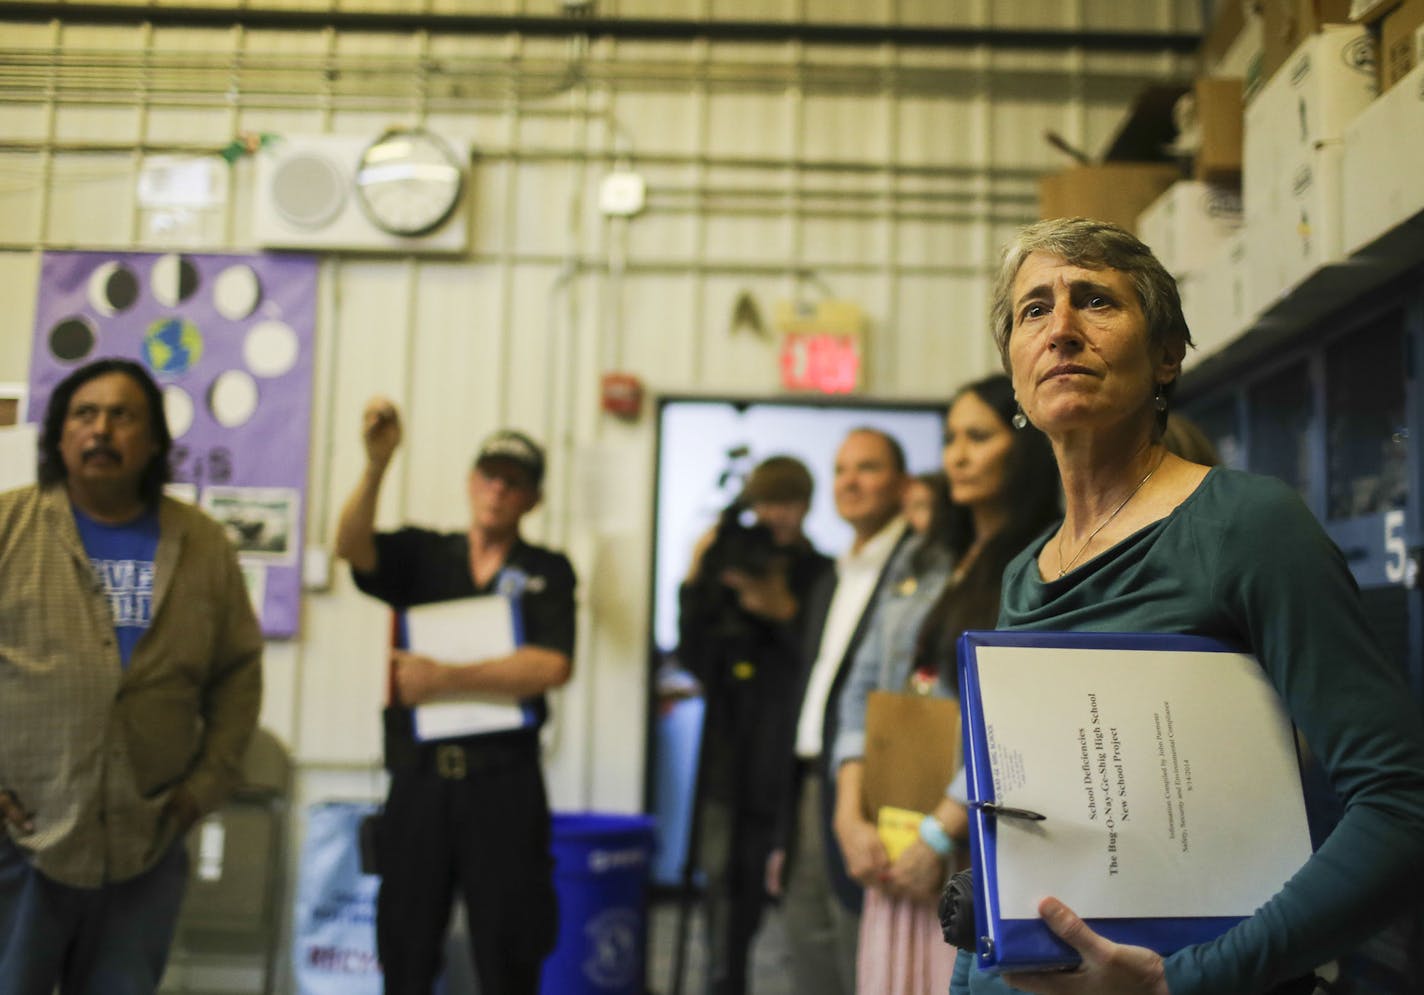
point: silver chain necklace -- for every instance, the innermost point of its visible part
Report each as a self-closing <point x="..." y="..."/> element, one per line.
<point x="1063" y="568"/>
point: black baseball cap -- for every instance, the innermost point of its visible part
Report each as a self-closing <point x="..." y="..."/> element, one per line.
<point x="517" y="448"/>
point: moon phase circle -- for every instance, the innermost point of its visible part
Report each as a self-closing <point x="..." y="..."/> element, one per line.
<point x="175" y="279"/>
<point x="233" y="398"/>
<point x="112" y="288"/>
<point x="72" y="338"/>
<point x="236" y="292"/>
<point x="270" y="348"/>
<point x="178" y="409"/>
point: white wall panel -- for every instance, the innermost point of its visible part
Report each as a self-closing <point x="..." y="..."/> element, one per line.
<point x="456" y="361"/>
<point x="19" y="271"/>
<point x="750" y="125"/>
<point x="832" y="125"/>
<point x="844" y="220"/>
<point x="341" y="682"/>
<point x="543" y="202"/>
<point x="655" y="123"/>
<point x="948" y="316"/>
<point x="749" y="10"/>
<point x="22" y="197"/>
<point x="108" y="121"/>
<point x="885" y="176"/>
<point x="669" y="228"/>
<point x="735" y="360"/>
<point x="91" y="200"/>
<point x="371" y="355"/>
<point x="281" y="670"/>
<point x="24" y="121"/>
<point x="1037" y="13"/>
<point x="942" y="241"/>
<point x="662" y="328"/>
<point x="535" y="336"/>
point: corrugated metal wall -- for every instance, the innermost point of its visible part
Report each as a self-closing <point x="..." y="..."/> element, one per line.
<point x="887" y="174"/>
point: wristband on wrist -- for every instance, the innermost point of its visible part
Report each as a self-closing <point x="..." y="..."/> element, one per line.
<point x="934" y="836"/>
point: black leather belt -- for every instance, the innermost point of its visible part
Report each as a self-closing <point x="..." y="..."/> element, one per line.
<point x="456" y="761"/>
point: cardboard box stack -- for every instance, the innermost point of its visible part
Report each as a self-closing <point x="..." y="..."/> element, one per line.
<point x="1217" y="301"/>
<point x="1112" y="191"/>
<point x="1219" y="110"/>
<point x="1287" y="24"/>
<point x="1291" y="184"/>
<point x="1332" y="146"/>
<point x="1231" y="48"/>
<point x="1189" y="224"/>
<point x="1383" y="164"/>
<point x="1401" y="43"/>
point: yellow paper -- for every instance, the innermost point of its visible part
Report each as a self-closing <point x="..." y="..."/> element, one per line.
<point x="898" y="828"/>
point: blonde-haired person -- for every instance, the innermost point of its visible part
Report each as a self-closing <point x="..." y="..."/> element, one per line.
<point x="1090" y="326"/>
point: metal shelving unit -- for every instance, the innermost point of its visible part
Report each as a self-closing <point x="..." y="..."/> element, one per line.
<point x="1335" y="407"/>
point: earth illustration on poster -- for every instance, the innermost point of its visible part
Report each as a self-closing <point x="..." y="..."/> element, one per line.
<point x="172" y="346"/>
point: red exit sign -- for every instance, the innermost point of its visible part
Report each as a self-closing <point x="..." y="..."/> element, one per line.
<point x="828" y="362"/>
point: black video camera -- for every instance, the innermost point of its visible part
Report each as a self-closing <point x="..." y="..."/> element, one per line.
<point x="740" y="543"/>
<point x="956" y="911"/>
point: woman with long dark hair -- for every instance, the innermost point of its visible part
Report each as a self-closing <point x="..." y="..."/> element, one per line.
<point x="1002" y="492"/>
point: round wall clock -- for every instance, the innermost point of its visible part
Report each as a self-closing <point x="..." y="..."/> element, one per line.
<point x="408" y="182"/>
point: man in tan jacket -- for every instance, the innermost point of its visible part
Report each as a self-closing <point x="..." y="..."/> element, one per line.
<point x="130" y="681"/>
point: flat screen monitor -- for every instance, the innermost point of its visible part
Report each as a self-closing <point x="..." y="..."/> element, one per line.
<point x="706" y="448"/>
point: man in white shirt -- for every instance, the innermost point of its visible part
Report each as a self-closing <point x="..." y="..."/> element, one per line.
<point x="822" y="903"/>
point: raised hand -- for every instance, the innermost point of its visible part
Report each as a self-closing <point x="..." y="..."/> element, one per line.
<point x="380" y="430"/>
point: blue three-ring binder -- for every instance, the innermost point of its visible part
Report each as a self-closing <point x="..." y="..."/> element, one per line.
<point x="1019" y="944"/>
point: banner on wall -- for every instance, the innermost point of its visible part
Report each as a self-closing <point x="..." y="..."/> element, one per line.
<point x="229" y="340"/>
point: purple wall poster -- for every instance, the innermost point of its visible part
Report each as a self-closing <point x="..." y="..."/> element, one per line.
<point x="229" y="340"/>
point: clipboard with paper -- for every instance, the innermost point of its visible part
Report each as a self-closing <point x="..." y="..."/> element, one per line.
<point x="911" y="750"/>
<point x="911" y="753"/>
<point x="1108" y="770"/>
<point x="462" y="631"/>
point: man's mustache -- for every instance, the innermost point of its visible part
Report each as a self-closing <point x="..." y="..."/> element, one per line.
<point x="108" y="452"/>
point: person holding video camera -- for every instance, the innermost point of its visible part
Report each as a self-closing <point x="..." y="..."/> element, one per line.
<point x="740" y="634"/>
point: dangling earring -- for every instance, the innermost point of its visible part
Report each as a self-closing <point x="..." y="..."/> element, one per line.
<point x="1019" y="420"/>
<point x="1159" y="400"/>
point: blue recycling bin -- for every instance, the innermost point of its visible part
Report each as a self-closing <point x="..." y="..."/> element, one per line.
<point x="601" y="875"/>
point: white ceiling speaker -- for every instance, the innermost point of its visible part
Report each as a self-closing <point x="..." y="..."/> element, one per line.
<point x="402" y="192"/>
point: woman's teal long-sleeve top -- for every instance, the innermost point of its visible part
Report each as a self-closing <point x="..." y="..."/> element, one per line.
<point x="887" y="652"/>
<point x="1243" y="560"/>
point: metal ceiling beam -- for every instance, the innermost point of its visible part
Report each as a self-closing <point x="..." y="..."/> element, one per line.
<point x="641" y="29"/>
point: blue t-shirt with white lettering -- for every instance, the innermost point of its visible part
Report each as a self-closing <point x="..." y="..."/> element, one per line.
<point x="122" y="556"/>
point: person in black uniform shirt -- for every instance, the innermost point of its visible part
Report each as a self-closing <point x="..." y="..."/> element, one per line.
<point x="741" y="633"/>
<point x="468" y="812"/>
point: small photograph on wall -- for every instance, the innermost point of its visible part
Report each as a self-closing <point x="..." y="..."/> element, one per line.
<point x="260" y="521"/>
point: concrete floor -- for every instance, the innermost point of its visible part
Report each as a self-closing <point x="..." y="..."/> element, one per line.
<point x="770" y="974"/>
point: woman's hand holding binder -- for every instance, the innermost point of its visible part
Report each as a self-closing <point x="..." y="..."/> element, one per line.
<point x="1108" y="968"/>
